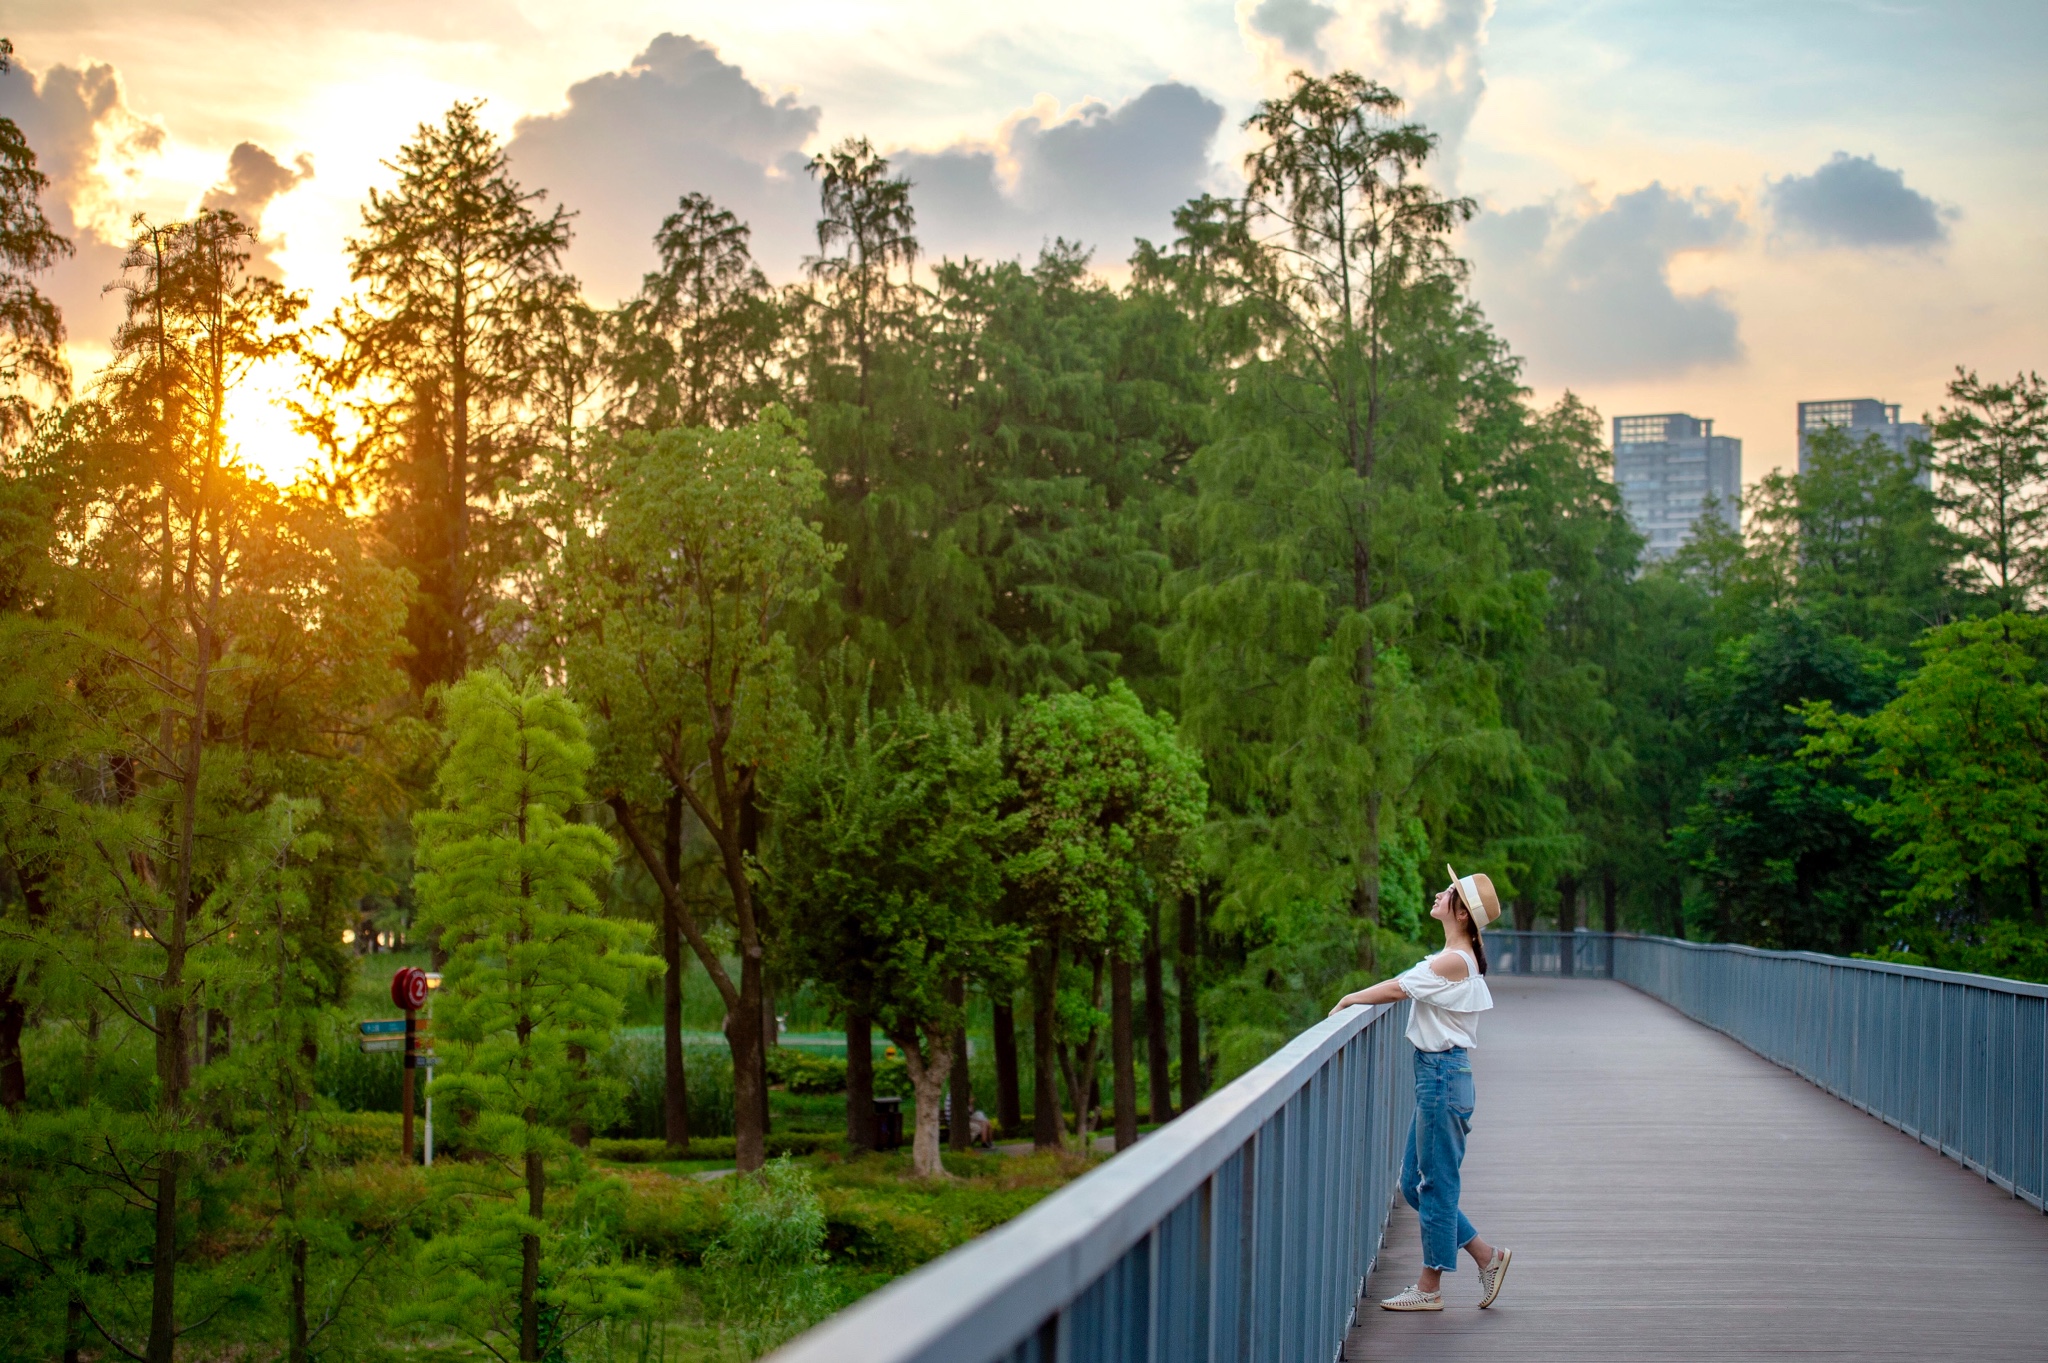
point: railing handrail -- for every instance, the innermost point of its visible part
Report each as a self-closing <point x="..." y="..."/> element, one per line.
<point x="1993" y="982"/>
<point x="992" y="1293"/>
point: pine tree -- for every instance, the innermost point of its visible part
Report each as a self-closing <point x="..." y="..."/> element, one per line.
<point x="694" y="349"/>
<point x="533" y="989"/>
<point x="31" y="329"/>
<point x="1992" y="443"/>
<point x="427" y="407"/>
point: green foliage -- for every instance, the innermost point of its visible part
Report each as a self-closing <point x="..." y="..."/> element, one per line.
<point x="765" y="1274"/>
<point x="532" y="990"/>
<point x="1785" y="859"/>
<point x="888" y="867"/>
<point x="801" y="1073"/>
<point x="1960" y="756"/>
<point x="1993" y="459"/>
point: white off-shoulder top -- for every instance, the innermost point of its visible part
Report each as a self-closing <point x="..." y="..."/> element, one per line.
<point x="1445" y="1013"/>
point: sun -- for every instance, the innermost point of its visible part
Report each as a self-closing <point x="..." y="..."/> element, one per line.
<point x="259" y="423"/>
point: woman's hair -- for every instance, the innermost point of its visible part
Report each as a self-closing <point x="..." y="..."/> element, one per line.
<point x="1472" y="926"/>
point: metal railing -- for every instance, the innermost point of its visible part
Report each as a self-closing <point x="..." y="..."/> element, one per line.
<point x="1958" y="1062"/>
<point x="1242" y="1232"/>
<point x="1590" y="954"/>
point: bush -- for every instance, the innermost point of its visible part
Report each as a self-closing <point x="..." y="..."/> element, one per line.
<point x="671" y="1220"/>
<point x="764" y="1277"/>
<point x="656" y="1151"/>
<point x="358" y="1082"/>
<point x="800" y="1072"/>
<point x="635" y="1060"/>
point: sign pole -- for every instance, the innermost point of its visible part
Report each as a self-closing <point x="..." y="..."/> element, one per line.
<point x="411" y="1040"/>
<point x="409" y="991"/>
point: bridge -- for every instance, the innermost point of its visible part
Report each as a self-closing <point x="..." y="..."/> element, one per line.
<point x="1697" y="1152"/>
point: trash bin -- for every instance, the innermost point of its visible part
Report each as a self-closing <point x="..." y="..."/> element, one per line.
<point x="888" y="1123"/>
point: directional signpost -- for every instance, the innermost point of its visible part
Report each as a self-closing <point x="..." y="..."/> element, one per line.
<point x="411" y="1036"/>
<point x="409" y="991"/>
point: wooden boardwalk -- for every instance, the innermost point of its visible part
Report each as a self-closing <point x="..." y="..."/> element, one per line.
<point x="1670" y="1195"/>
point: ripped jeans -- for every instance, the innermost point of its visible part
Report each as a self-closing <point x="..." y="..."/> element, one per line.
<point x="1436" y="1147"/>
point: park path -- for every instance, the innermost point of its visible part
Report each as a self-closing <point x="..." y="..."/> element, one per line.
<point x="1670" y="1195"/>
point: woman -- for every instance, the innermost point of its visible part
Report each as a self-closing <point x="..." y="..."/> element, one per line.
<point x="1449" y="993"/>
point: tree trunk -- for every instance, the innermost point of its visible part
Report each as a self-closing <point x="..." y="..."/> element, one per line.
<point x="749" y="1091"/>
<point x="1185" y="967"/>
<point x="1009" y="1101"/>
<point x="961" y="1083"/>
<point x="742" y="1001"/>
<point x="770" y="1036"/>
<point x="13" y="1076"/>
<point x="1122" y="1058"/>
<point x="675" y="1088"/>
<point x="928" y="1087"/>
<point x="529" y="1261"/>
<point x="13" y="1011"/>
<point x="295" y="1345"/>
<point x="1158" y="1061"/>
<point x="1047" y="1128"/>
<point x="861" y="1133"/>
<point x="1610" y="902"/>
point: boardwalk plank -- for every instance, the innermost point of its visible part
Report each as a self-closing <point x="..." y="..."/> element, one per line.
<point x="1669" y="1195"/>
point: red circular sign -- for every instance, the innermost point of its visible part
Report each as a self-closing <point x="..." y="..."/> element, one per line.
<point x="409" y="987"/>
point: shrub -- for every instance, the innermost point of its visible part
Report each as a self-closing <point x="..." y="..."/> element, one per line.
<point x="358" y="1082"/>
<point x="800" y="1072"/>
<point x="635" y="1060"/>
<point x="657" y="1151"/>
<point x="764" y="1278"/>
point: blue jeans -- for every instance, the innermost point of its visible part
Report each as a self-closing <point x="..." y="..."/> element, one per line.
<point x="1436" y="1147"/>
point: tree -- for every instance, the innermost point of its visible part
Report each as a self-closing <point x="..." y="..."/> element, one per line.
<point x="1785" y="860"/>
<point x="670" y="608"/>
<point x="693" y="349"/>
<point x="1960" y="756"/>
<point x="1351" y="227"/>
<point x="1110" y="799"/>
<point x="426" y="402"/>
<point x="887" y="869"/>
<point x="533" y="989"/>
<point x="864" y="235"/>
<point x="31" y="328"/>
<point x="176" y="521"/>
<point x="1992" y="447"/>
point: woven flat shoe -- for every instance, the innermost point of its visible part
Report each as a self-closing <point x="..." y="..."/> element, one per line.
<point x="1413" y="1299"/>
<point x="1492" y="1276"/>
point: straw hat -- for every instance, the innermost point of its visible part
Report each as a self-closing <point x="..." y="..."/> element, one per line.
<point x="1477" y="892"/>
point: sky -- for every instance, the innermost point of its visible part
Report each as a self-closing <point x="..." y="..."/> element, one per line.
<point x="1719" y="207"/>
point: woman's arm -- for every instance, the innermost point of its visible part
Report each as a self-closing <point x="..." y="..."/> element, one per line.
<point x="1386" y="991"/>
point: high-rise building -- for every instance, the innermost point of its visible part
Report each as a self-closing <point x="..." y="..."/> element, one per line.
<point x="1862" y="417"/>
<point x="1667" y="467"/>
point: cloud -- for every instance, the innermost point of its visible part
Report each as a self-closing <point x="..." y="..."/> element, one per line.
<point x="1853" y="201"/>
<point x="1297" y="25"/>
<point x="678" y="120"/>
<point x="1586" y="295"/>
<point x="254" y="178"/>
<point x="1098" y="175"/>
<point x="92" y="147"/>
<point x="682" y="119"/>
